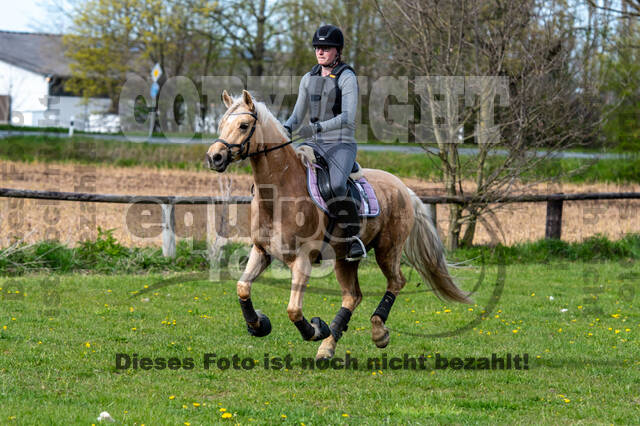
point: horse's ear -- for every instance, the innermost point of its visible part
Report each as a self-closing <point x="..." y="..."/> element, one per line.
<point x="227" y="99"/>
<point x="246" y="96"/>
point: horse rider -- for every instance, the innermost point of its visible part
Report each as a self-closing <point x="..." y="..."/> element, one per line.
<point x="330" y="94"/>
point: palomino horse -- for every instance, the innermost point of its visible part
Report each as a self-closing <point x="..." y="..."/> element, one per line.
<point x="295" y="234"/>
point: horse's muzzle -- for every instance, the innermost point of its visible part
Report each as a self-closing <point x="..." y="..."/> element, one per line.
<point x="217" y="161"/>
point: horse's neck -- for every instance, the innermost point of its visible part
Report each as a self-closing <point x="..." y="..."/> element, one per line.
<point x="278" y="170"/>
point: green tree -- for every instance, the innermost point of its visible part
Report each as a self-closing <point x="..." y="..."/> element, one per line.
<point x="102" y="45"/>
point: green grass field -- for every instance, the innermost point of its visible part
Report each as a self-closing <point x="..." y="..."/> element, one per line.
<point x="81" y="149"/>
<point x="60" y="335"/>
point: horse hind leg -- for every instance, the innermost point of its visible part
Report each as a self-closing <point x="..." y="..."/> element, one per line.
<point x="389" y="261"/>
<point x="347" y="275"/>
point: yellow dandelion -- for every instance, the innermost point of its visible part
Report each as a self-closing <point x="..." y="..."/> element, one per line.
<point x="133" y="329"/>
<point x="223" y="409"/>
<point x="616" y="331"/>
<point x="284" y="416"/>
<point x="559" y="330"/>
<point x="88" y="345"/>
<point x="567" y="400"/>
<point x="172" y="397"/>
<point x="131" y="309"/>
<point x="515" y="331"/>
<point x="345" y="415"/>
<point x="627" y="330"/>
<point x="447" y="311"/>
<point x="227" y="415"/>
<point x="4" y="327"/>
<point x="185" y="423"/>
<point x="196" y="404"/>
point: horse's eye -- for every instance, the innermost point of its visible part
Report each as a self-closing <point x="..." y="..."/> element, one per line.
<point x="244" y="126"/>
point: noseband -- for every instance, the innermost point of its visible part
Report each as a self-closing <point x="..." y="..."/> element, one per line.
<point x="245" y="145"/>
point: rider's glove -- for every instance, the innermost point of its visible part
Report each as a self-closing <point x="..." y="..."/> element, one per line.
<point x="310" y="130"/>
<point x="288" y="129"/>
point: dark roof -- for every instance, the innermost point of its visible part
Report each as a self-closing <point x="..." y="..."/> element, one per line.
<point x="40" y="53"/>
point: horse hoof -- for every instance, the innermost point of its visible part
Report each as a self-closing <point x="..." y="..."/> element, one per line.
<point x="379" y="333"/>
<point x="326" y="349"/>
<point x="322" y="329"/>
<point x="384" y="341"/>
<point x="324" y="353"/>
<point x="264" y="326"/>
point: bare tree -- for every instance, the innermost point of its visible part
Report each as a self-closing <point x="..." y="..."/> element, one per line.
<point x="249" y="29"/>
<point x="462" y="55"/>
<point x="624" y="8"/>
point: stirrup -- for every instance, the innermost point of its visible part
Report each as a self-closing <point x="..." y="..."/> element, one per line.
<point x="348" y="258"/>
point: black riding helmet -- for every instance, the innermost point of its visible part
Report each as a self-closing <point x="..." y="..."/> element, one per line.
<point x="328" y="35"/>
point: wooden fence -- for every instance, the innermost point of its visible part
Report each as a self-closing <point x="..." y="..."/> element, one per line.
<point x="553" y="227"/>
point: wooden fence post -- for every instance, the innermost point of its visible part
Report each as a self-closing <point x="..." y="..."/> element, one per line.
<point x="433" y="212"/>
<point x="554" y="220"/>
<point x="169" y="230"/>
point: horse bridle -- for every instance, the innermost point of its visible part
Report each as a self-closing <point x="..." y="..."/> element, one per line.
<point x="244" y="153"/>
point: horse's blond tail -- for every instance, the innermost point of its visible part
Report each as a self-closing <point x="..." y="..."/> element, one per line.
<point x="425" y="253"/>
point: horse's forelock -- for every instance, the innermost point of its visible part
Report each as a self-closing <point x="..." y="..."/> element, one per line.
<point x="264" y="115"/>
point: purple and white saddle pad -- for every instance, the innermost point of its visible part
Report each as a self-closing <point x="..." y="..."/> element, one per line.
<point x="369" y="207"/>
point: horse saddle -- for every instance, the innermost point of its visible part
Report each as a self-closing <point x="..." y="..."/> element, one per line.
<point x="359" y="189"/>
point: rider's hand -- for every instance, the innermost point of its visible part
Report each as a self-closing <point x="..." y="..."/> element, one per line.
<point x="288" y="129"/>
<point x="309" y="130"/>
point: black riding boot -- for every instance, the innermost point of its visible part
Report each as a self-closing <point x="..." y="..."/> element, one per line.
<point x="347" y="219"/>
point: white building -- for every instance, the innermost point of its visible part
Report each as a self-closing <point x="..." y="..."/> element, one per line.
<point x="33" y="70"/>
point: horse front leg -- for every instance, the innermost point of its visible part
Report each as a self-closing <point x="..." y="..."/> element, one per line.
<point x="258" y="324"/>
<point x="317" y="329"/>
<point x="347" y="274"/>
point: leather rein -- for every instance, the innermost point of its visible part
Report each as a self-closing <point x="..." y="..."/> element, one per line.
<point x="245" y="146"/>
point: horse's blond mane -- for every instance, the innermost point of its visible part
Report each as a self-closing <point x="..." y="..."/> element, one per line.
<point x="303" y="152"/>
<point x="264" y="115"/>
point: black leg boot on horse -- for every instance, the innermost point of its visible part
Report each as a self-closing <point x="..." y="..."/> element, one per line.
<point x="348" y="222"/>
